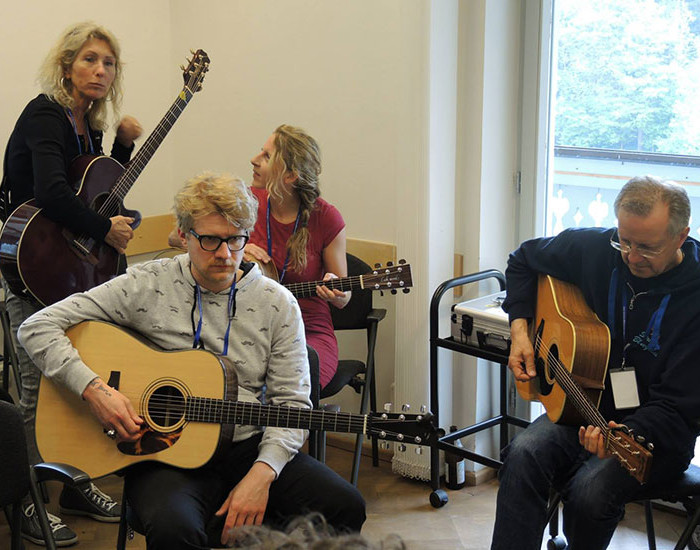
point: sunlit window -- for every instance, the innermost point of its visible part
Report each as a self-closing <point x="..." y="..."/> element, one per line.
<point x="624" y="102"/>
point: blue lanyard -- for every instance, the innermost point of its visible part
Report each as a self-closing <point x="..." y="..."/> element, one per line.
<point x="77" y="137"/>
<point x="231" y="314"/>
<point x="269" y="238"/>
<point x="653" y="330"/>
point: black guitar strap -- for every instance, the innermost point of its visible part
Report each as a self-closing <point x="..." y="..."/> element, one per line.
<point x="4" y="190"/>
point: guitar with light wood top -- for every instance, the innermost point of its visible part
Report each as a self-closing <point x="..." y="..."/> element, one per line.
<point x="572" y="347"/>
<point x="187" y="400"/>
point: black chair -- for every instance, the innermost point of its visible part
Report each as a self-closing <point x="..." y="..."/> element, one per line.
<point x="358" y="314"/>
<point x="17" y="478"/>
<point x="9" y="353"/>
<point x="686" y="491"/>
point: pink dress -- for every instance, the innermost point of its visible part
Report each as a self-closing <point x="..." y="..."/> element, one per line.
<point x="325" y="223"/>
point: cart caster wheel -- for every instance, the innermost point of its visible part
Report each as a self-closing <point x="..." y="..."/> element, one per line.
<point x="438" y="498"/>
<point x="557" y="543"/>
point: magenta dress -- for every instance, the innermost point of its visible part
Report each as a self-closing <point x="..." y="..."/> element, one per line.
<point x="324" y="225"/>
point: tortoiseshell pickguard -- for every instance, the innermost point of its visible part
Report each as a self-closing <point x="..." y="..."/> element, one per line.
<point x="149" y="442"/>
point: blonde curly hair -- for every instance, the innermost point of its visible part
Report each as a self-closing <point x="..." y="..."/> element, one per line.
<point x="60" y="59"/>
<point x="210" y="193"/>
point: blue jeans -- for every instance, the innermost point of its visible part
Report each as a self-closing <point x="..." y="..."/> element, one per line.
<point x="593" y="491"/>
<point x="19" y="310"/>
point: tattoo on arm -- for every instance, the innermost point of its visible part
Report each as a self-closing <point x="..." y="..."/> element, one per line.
<point x="98" y="385"/>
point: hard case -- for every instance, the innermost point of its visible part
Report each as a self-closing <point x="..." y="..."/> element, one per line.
<point x="482" y="323"/>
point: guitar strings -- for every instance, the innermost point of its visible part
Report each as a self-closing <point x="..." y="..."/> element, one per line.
<point x="576" y="393"/>
<point x="212" y="409"/>
<point x="124" y="182"/>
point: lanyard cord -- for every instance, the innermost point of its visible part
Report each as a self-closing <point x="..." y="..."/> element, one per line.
<point x="77" y="136"/>
<point x="269" y="238"/>
<point x="198" y="344"/>
<point x="653" y="330"/>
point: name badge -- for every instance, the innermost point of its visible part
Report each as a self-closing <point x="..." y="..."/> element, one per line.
<point x="624" y="388"/>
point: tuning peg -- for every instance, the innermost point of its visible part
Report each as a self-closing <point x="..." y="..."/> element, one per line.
<point x="393" y="291"/>
<point x="650" y="446"/>
<point x="384" y="445"/>
<point x="406" y="407"/>
<point x="387" y="407"/>
<point x="402" y="261"/>
<point x="402" y="448"/>
<point x="389" y="264"/>
<point x="640" y="438"/>
<point x="182" y="67"/>
<point x="377" y="266"/>
<point x="419" y="450"/>
<point x="192" y="51"/>
<point x="423" y="409"/>
<point x="406" y="290"/>
<point x="418" y="440"/>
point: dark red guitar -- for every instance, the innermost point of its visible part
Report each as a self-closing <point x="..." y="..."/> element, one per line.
<point x="40" y="258"/>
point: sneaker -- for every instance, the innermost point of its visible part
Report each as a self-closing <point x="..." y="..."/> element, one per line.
<point x="31" y="530"/>
<point x="91" y="502"/>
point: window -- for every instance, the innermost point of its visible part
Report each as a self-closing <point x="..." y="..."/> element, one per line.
<point x="622" y="102"/>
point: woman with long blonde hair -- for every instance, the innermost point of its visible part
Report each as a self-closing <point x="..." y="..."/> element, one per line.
<point x="301" y="233"/>
<point x="80" y="79"/>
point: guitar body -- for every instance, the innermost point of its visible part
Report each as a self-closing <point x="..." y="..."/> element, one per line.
<point x="67" y="431"/>
<point x="567" y="332"/>
<point x="41" y="258"/>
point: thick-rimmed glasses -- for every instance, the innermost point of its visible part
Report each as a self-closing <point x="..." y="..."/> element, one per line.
<point x="643" y="251"/>
<point x="211" y="243"/>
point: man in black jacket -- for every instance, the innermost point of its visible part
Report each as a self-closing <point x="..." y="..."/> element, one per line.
<point x="643" y="281"/>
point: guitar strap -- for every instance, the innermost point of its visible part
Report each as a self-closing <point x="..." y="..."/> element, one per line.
<point x="4" y="190"/>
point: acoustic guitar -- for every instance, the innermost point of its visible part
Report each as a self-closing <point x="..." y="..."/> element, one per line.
<point x="392" y="278"/>
<point x="572" y="347"/>
<point x="40" y="258"/>
<point x="187" y="400"/>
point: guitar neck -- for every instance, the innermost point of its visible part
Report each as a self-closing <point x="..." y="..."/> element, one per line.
<point x="308" y="288"/>
<point x="219" y="411"/>
<point x="125" y="182"/>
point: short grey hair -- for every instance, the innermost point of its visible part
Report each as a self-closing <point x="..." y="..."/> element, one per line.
<point x="640" y="194"/>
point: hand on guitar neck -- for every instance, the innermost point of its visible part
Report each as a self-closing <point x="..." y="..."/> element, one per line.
<point x="120" y="233"/>
<point x="593" y="439"/>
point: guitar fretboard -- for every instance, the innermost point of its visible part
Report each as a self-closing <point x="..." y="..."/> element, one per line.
<point x="219" y="411"/>
<point x="308" y="288"/>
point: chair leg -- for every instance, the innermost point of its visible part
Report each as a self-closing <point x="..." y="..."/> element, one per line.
<point x="38" y="499"/>
<point x="689" y="528"/>
<point x="370" y="382"/>
<point x="357" y="456"/>
<point x="14" y="518"/>
<point x="123" y="527"/>
<point x="649" y="518"/>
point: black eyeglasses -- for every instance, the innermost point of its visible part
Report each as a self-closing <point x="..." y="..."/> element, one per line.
<point x="211" y="243"/>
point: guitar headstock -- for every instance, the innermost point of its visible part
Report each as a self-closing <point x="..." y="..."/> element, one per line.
<point x="416" y="429"/>
<point x="631" y="452"/>
<point x="392" y="277"/>
<point x="194" y="73"/>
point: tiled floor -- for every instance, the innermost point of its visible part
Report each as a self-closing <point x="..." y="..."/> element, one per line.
<point x="399" y="505"/>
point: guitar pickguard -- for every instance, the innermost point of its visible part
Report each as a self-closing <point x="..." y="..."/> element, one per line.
<point x="149" y="442"/>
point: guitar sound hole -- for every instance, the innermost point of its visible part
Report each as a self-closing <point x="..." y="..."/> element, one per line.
<point x="166" y="406"/>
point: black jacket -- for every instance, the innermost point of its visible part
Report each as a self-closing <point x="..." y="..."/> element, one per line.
<point x="37" y="164"/>
<point x="667" y="364"/>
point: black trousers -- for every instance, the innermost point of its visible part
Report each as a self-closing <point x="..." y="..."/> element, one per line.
<point x="175" y="508"/>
